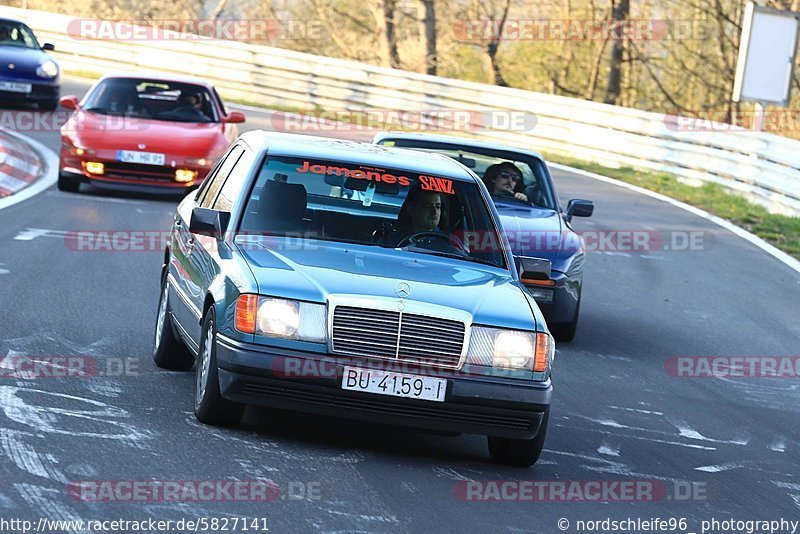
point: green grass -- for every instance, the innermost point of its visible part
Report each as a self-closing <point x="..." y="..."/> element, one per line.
<point x="779" y="230"/>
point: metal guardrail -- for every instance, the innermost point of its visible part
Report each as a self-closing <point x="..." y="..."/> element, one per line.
<point x="761" y="166"/>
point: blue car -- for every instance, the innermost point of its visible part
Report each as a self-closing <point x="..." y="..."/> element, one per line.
<point x="291" y="281"/>
<point x="28" y="74"/>
<point x="531" y="216"/>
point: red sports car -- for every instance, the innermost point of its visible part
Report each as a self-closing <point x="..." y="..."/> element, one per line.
<point x="144" y="133"/>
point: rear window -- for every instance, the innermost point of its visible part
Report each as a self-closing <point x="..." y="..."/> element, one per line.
<point x="352" y="203"/>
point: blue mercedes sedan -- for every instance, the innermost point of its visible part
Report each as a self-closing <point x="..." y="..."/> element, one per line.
<point x="28" y="74"/>
<point x="532" y="217"/>
<point x="326" y="276"/>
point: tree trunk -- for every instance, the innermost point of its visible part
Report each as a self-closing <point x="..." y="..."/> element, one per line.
<point x="619" y="14"/>
<point x="389" y="7"/>
<point x="431" y="59"/>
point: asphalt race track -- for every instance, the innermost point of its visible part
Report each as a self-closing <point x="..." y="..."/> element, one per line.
<point x="717" y="447"/>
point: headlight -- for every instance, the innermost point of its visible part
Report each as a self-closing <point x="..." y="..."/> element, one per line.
<point x="510" y="349"/>
<point x="48" y="69"/>
<point x="282" y="318"/>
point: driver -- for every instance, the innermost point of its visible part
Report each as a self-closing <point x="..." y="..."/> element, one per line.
<point x="502" y="180"/>
<point x="188" y="108"/>
<point x="421" y="212"/>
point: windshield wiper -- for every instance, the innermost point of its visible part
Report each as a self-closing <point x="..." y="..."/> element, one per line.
<point x="450" y="255"/>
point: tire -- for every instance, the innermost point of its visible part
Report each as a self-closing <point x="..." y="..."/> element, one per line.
<point x="169" y="352"/>
<point x="68" y="183"/>
<point x="565" y="332"/>
<point x="209" y="405"/>
<point x="519" y="452"/>
<point x="49" y="105"/>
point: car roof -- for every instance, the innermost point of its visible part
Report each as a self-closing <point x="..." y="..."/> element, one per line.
<point x="159" y="77"/>
<point x="332" y="149"/>
<point x="456" y="141"/>
<point x="15" y="21"/>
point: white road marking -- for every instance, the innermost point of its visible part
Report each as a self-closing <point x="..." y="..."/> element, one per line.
<point x="448" y="472"/>
<point x="637" y="410"/>
<point x="608" y="450"/>
<point x="48" y="179"/>
<point x="25" y="457"/>
<point x="719" y="468"/>
<point x="688" y="432"/>
<point x="778" y="446"/>
<point x="3" y="271"/>
<point x="29" y="234"/>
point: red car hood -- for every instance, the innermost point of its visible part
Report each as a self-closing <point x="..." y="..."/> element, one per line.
<point x="104" y="132"/>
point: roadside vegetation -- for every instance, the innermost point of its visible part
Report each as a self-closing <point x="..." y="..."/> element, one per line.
<point x="779" y="230"/>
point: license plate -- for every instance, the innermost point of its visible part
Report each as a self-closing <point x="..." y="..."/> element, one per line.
<point x="394" y="384"/>
<point x="147" y="158"/>
<point x="14" y="87"/>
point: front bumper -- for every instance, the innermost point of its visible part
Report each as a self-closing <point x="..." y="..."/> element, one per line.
<point x="41" y="91"/>
<point x="494" y="406"/>
<point x="72" y="165"/>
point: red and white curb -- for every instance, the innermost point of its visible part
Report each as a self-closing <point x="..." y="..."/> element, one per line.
<point x="20" y="166"/>
<point x="26" y="168"/>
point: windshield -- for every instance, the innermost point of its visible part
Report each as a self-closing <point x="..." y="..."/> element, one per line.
<point x="509" y="176"/>
<point x="16" y="34"/>
<point x="351" y="203"/>
<point x="152" y="99"/>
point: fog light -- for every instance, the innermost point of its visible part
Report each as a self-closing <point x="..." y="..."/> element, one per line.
<point x="185" y="175"/>
<point x="95" y="167"/>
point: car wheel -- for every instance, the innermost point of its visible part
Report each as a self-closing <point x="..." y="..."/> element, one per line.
<point x="519" y="452"/>
<point x="49" y="105"/>
<point x="565" y="332"/>
<point x="68" y="183"/>
<point x="169" y="352"/>
<point x="209" y="405"/>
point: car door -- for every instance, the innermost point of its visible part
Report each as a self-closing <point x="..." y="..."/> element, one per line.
<point x="186" y="289"/>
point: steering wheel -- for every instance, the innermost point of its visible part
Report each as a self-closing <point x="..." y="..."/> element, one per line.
<point x="413" y="239"/>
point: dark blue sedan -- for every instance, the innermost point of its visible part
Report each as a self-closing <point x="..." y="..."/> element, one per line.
<point x="28" y="74"/>
<point x="327" y="276"/>
<point x="531" y="216"/>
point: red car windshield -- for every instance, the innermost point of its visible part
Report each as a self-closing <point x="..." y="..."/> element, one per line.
<point x="152" y="99"/>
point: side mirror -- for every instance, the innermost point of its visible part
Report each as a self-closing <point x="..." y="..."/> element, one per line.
<point x="48" y="46"/>
<point x="209" y="222"/>
<point x="579" y="208"/>
<point x="533" y="268"/>
<point x="69" y="102"/>
<point x="234" y="117"/>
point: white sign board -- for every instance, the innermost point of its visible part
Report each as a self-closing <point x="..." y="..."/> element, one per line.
<point x="766" y="55"/>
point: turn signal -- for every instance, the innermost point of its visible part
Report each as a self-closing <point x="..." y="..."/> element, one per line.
<point x="544" y="346"/>
<point x="246" y="309"/>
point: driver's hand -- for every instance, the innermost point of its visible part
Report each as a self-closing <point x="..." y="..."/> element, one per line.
<point x="521" y="196"/>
